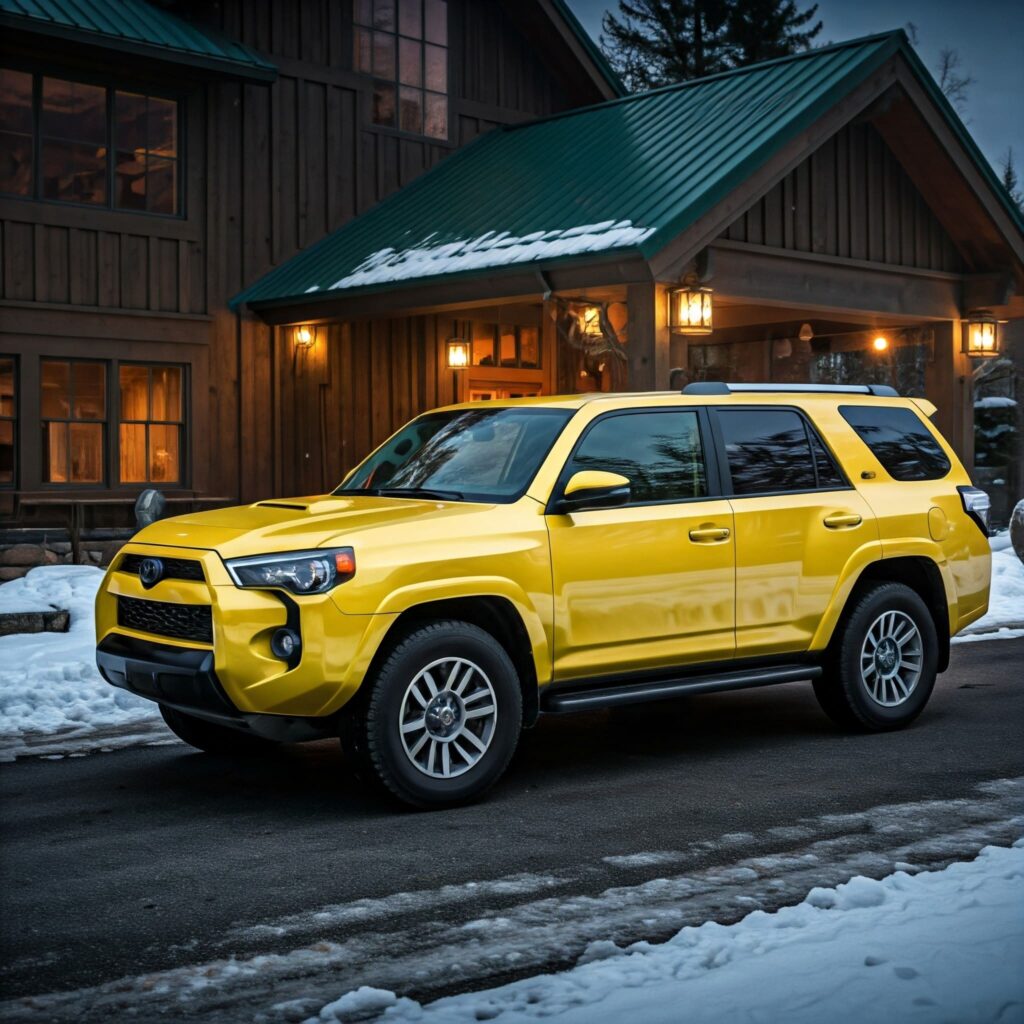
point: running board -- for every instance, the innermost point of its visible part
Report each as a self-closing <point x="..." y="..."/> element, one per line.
<point x="588" y="698"/>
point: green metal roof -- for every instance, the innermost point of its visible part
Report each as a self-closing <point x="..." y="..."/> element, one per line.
<point x="138" y="27"/>
<point x="623" y="177"/>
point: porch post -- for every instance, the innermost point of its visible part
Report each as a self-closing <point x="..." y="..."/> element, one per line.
<point x="648" y="336"/>
<point x="949" y="384"/>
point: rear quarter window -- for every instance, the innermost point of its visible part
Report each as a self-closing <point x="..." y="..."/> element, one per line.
<point x="900" y="441"/>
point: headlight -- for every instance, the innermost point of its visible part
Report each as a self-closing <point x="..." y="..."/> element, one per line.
<point x="301" y="572"/>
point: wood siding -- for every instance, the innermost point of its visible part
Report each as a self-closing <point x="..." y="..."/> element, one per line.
<point x="851" y="199"/>
<point x="269" y="171"/>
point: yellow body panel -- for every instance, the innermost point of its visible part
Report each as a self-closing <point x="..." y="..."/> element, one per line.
<point x="597" y="592"/>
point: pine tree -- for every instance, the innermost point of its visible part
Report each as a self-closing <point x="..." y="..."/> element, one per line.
<point x="1010" y="180"/>
<point x="655" y="42"/>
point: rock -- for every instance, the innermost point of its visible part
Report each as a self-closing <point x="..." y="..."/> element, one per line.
<point x="1017" y="529"/>
<point x="22" y="554"/>
<point x="50" y="558"/>
<point x="11" y="572"/>
<point x="56" y="621"/>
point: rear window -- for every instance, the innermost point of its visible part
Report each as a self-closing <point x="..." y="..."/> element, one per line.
<point x="899" y="440"/>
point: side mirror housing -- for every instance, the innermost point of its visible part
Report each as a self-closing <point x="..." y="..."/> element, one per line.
<point x="590" y="488"/>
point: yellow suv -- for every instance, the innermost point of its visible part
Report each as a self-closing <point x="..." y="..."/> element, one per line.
<point x="498" y="560"/>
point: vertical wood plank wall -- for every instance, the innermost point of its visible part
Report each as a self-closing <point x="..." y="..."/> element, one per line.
<point x="269" y="170"/>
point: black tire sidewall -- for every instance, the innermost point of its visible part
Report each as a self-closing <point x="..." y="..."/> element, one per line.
<point x="869" y="713"/>
<point x="383" y="741"/>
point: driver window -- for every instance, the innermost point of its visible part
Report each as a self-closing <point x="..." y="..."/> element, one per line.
<point x="659" y="452"/>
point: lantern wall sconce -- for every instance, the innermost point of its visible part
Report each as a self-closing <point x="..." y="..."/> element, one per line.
<point x="981" y="337"/>
<point x="457" y="352"/>
<point x="690" y="309"/>
<point x="304" y="336"/>
<point x="590" y="322"/>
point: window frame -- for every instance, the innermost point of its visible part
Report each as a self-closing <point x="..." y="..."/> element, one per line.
<point x="396" y="83"/>
<point x="182" y="424"/>
<point x="712" y="470"/>
<point x="111" y="85"/>
<point x="809" y="430"/>
<point x="103" y="483"/>
<point x="14" y="420"/>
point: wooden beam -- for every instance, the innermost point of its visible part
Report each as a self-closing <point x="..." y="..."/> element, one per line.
<point x="950" y="385"/>
<point x="647" y="337"/>
<point x="781" y="277"/>
<point x="63" y="321"/>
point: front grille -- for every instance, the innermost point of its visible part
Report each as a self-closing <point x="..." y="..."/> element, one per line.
<point x="174" y="568"/>
<point x="166" y="618"/>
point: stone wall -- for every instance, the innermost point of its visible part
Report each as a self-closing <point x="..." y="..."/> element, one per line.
<point x="21" y="550"/>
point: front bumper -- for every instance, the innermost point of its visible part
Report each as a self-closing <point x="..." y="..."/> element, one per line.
<point x="184" y="679"/>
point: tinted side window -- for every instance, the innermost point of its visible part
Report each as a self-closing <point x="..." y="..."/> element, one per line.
<point x="900" y="441"/>
<point x="660" y="453"/>
<point x="768" y="450"/>
<point x="829" y="475"/>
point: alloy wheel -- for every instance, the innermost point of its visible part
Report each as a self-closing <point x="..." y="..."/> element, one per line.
<point x="891" y="658"/>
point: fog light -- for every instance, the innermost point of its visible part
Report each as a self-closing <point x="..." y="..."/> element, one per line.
<point x="285" y="644"/>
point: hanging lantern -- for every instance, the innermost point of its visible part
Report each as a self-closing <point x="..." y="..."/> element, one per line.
<point x="458" y="353"/>
<point x="982" y="336"/>
<point x="590" y="322"/>
<point x="690" y="310"/>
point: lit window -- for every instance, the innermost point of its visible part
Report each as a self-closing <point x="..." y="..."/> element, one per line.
<point x="506" y="345"/>
<point x="73" y="407"/>
<point x="152" y="423"/>
<point x="8" y="416"/>
<point x="404" y="45"/>
<point x="146" y="141"/>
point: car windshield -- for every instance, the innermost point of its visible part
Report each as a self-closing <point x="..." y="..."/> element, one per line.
<point x="481" y="454"/>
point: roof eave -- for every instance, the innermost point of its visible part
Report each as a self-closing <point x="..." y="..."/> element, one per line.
<point x="264" y="73"/>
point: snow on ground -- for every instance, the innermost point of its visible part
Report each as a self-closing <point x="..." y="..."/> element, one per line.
<point x="933" y="947"/>
<point x="49" y="684"/>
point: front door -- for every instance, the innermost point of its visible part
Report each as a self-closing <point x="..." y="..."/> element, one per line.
<point x="650" y="584"/>
<point x="797" y="523"/>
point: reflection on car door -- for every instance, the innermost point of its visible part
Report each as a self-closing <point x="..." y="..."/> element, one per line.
<point x="649" y="584"/>
<point x="797" y="524"/>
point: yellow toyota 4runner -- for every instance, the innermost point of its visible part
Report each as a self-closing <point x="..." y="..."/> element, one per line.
<point x="498" y="560"/>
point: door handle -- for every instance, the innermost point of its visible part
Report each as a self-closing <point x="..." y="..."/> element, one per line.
<point x="840" y="519"/>
<point x="709" y="534"/>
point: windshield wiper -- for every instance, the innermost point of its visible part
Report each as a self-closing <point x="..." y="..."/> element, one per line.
<point x="414" y="492"/>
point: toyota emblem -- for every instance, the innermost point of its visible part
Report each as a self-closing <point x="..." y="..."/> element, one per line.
<point x="151" y="571"/>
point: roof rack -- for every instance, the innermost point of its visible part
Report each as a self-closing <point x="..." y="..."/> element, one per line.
<point x="717" y="387"/>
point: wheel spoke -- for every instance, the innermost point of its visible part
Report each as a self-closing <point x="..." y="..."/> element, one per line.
<point x="420" y="699"/>
<point x="446" y="760"/>
<point x="473" y="697"/>
<point x="474" y="739"/>
<point x="464" y="754"/>
<point x="431" y="685"/>
<point x="432" y="756"/>
<point x="480" y="712"/>
<point x="414" y="750"/>
<point x="418" y="723"/>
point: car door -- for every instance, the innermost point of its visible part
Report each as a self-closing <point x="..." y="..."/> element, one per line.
<point x="798" y="521"/>
<point x="649" y="584"/>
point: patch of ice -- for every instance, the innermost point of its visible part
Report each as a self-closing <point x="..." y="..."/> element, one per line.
<point x="427" y="258"/>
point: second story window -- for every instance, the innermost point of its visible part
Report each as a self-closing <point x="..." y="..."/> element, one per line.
<point x="404" y="45"/>
<point x="96" y="145"/>
<point x="8" y="418"/>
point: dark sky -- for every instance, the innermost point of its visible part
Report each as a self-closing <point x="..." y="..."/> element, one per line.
<point x="988" y="34"/>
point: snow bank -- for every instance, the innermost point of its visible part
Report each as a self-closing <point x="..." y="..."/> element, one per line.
<point x="995" y="402"/>
<point x="937" y="946"/>
<point x="492" y="249"/>
<point x="49" y="685"/>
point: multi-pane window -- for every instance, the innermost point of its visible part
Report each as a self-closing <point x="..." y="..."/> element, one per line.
<point x="404" y="45"/>
<point x="152" y="423"/>
<point x="78" y="126"/>
<point x="73" y="409"/>
<point x="8" y="417"/>
<point x="506" y="345"/>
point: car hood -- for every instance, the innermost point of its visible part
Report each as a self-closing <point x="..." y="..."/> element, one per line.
<point x="294" y="524"/>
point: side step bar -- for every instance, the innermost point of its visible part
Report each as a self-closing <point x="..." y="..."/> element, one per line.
<point x="587" y="698"/>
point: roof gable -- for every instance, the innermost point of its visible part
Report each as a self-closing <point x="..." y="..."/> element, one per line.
<point x="624" y="176"/>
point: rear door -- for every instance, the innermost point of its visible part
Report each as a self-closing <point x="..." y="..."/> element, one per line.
<point x="650" y="584"/>
<point x="798" y="521"/>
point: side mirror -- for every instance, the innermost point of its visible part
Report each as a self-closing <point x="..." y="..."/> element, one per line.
<point x="590" y="488"/>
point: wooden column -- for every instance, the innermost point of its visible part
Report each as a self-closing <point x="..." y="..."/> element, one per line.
<point x="648" y="337"/>
<point x="949" y="384"/>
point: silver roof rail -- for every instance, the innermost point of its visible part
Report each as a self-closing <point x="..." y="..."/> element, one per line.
<point x="717" y="387"/>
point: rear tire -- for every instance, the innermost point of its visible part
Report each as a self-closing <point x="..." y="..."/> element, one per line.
<point x="442" y="717"/>
<point x="211" y="738"/>
<point x="882" y="666"/>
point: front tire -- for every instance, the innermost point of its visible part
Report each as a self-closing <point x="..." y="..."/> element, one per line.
<point x="212" y="738"/>
<point x="882" y="666"/>
<point x="443" y="716"/>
